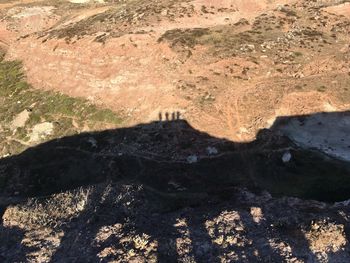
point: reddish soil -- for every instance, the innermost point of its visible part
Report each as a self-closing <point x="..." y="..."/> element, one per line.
<point x="138" y="76"/>
<point x="230" y="68"/>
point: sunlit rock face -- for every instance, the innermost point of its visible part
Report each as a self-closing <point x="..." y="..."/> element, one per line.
<point x="327" y="132"/>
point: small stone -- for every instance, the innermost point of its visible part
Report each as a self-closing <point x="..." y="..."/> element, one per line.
<point x="212" y="151"/>
<point x="81" y="205"/>
<point x="192" y="159"/>
<point x="287" y="156"/>
<point x="93" y="142"/>
<point x="343" y="203"/>
<point x="251" y="47"/>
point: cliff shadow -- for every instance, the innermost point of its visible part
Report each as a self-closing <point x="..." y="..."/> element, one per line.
<point x="180" y="167"/>
<point x="303" y="156"/>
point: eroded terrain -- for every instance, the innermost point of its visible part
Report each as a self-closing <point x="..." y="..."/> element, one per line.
<point x="174" y="131"/>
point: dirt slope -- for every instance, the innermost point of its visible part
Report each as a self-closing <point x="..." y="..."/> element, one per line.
<point x="231" y="67"/>
<point x="174" y="131"/>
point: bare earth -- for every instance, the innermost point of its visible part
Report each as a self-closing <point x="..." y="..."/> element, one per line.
<point x="231" y="69"/>
<point x="149" y="69"/>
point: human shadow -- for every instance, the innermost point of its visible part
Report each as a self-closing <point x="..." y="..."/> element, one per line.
<point x="181" y="167"/>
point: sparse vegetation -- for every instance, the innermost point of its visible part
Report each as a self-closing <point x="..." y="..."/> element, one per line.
<point x="215" y="171"/>
<point x="69" y="115"/>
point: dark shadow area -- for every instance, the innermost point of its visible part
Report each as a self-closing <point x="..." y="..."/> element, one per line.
<point x="13" y="237"/>
<point x="181" y="168"/>
<point x="172" y="157"/>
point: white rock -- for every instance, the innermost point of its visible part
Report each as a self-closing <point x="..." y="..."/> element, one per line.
<point x="212" y="151"/>
<point x="20" y="120"/>
<point x="81" y="205"/>
<point x="251" y="46"/>
<point x="192" y="159"/>
<point x="287" y="156"/>
<point x="40" y="131"/>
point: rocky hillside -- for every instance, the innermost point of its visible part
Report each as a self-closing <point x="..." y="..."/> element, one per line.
<point x="174" y="131"/>
<point x="263" y="59"/>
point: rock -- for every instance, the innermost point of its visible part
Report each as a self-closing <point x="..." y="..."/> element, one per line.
<point x="287" y="156"/>
<point x="251" y="47"/>
<point x="93" y="142"/>
<point x="81" y="205"/>
<point x="192" y="159"/>
<point x="298" y="75"/>
<point x="247" y="48"/>
<point x="242" y="21"/>
<point x="20" y="120"/>
<point x="40" y="131"/>
<point x="343" y="203"/>
<point x="212" y="151"/>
